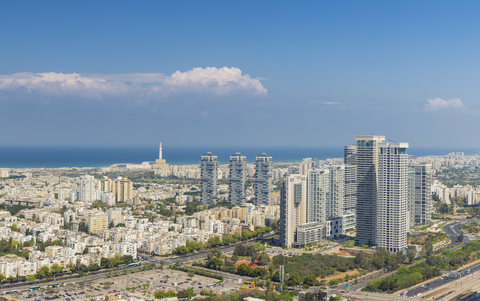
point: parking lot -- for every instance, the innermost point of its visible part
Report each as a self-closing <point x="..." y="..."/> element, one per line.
<point x="145" y="284"/>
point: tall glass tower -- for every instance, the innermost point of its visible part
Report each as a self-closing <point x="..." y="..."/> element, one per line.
<point x="237" y="177"/>
<point x="208" y="178"/>
<point x="367" y="183"/>
<point x="263" y="179"/>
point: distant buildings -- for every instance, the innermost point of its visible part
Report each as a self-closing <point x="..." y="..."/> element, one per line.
<point x="263" y="179"/>
<point x="121" y="188"/>
<point x="86" y="188"/>
<point x="209" y="173"/>
<point x="237" y="178"/>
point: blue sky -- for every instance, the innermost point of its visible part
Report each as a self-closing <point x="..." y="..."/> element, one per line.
<point x="273" y="73"/>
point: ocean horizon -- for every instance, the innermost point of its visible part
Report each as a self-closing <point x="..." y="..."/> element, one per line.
<point x="104" y="156"/>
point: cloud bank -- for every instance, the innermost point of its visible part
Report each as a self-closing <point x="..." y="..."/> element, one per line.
<point x="437" y="104"/>
<point x="136" y="86"/>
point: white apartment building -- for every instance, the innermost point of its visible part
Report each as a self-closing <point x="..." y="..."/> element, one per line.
<point x="391" y="232"/>
<point x="115" y="215"/>
<point x="336" y="191"/>
<point x="293" y="207"/>
<point x="126" y="248"/>
<point x="86" y="189"/>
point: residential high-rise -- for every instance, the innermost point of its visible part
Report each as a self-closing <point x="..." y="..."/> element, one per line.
<point x="305" y="166"/>
<point x="391" y="230"/>
<point x="122" y="188"/>
<point x="410" y="197"/>
<point x="97" y="222"/>
<point x="237" y="178"/>
<point x="423" y="193"/>
<point x="293" y="211"/>
<point x="208" y="178"/>
<point x="350" y="185"/>
<point x="349" y="154"/>
<point x="367" y="183"/>
<point x="336" y="191"/>
<point x="263" y="179"/>
<point x="114" y="215"/>
<point x="317" y="189"/>
<point x="86" y="189"/>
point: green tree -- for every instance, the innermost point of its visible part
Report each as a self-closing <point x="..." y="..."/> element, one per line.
<point x="428" y="248"/>
<point x="44" y="272"/>
<point x="214" y="263"/>
<point x="309" y="280"/>
<point x="317" y="296"/>
<point x="30" y="278"/>
<point x="214" y="241"/>
<point x="295" y="279"/>
<point x="186" y="293"/>
<point x="411" y="253"/>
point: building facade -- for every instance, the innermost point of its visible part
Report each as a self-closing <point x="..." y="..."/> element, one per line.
<point x="423" y="193"/>
<point x="86" y="189"/>
<point x="293" y="211"/>
<point x="367" y="183"/>
<point x="391" y="232"/>
<point x="336" y="191"/>
<point x="410" y="197"/>
<point x="237" y="178"/>
<point x="263" y="179"/>
<point x="208" y="178"/>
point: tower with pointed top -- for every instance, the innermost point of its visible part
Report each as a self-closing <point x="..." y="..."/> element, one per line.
<point x="160" y="163"/>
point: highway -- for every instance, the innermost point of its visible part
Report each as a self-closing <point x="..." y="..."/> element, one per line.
<point x="453" y="230"/>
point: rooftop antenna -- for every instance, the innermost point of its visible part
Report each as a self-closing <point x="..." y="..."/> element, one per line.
<point x="392" y="140"/>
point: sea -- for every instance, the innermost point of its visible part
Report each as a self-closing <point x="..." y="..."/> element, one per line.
<point x="104" y="156"/>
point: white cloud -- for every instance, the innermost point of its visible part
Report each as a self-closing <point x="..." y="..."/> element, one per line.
<point x="437" y="104"/>
<point x="331" y="103"/>
<point x="137" y="86"/>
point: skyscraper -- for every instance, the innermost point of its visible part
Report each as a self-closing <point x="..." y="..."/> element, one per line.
<point x="336" y="190"/>
<point x="391" y="230"/>
<point x="349" y="154"/>
<point x="208" y="178"/>
<point x="410" y="197"/>
<point x="293" y="207"/>
<point x="317" y="189"/>
<point x="350" y="185"/>
<point x="367" y="182"/>
<point x="423" y="193"/>
<point x="237" y="177"/>
<point x="263" y="179"/>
